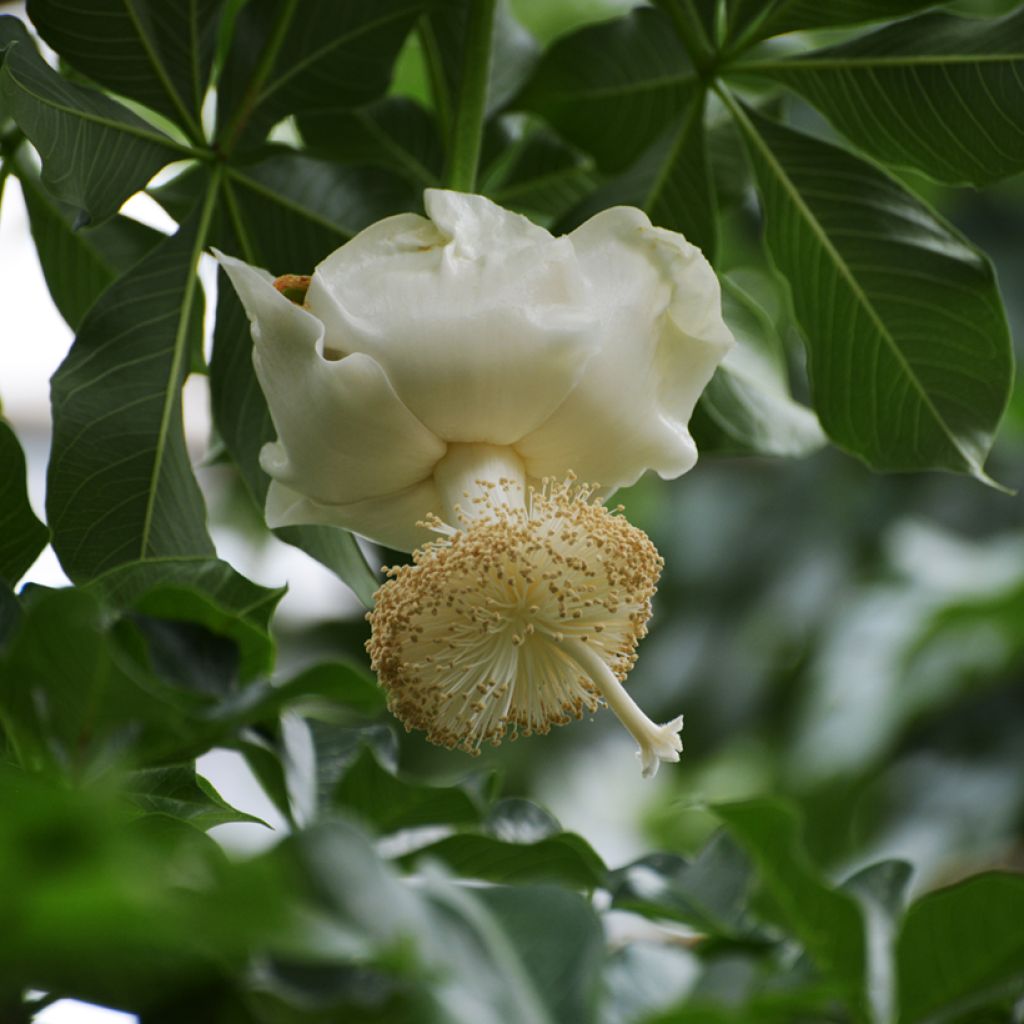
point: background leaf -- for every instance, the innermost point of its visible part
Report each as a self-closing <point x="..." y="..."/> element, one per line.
<point x="120" y="485"/>
<point x="962" y="946"/>
<point x="939" y="94"/>
<point x="22" y="535"/>
<point x="95" y="152"/>
<point x="180" y="792"/>
<point x="899" y="376"/>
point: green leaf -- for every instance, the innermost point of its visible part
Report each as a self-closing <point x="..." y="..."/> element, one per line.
<point x="335" y="682"/>
<point x="515" y="820"/>
<point x="908" y="349"/>
<point x="74" y="692"/>
<point x="828" y="923"/>
<point x="710" y="893"/>
<point x="747" y="407"/>
<point x="120" y="486"/>
<point x="565" y="859"/>
<point x="288" y="57"/>
<point x="178" y="791"/>
<point x="123" y="586"/>
<point x="95" y="152"/>
<point x="386" y="803"/>
<point x="611" y="88"/>
<point x="751" y="20"/>
<point x="560" y="941"/>
<point x="157" y="53"/>
<point x="243" y="421"/>
<point x="395" y="133"/>
<point x="22" y="535"/>
<point x="939" y="94"/>
<point x="78" y="264"/>
<point x="961" y="948"/>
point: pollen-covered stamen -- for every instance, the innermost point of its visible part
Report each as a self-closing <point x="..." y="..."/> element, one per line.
<point x="525" y="616"/>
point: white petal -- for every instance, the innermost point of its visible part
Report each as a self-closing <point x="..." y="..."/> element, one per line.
<point x="662" y="336"/>
<point x="390" y="519"/>
<point x="343" y="433"/>
<point x="479" y="318"/>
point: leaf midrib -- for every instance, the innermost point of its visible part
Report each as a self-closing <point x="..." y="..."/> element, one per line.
<point x="840" y="263"/>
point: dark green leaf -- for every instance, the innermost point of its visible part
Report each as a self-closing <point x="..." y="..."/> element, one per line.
<point x="908" y="349"/>
<point x="611" y="88"/>
<point x="179" y="791"/>
<point x="293" y="209"/>
<point x="79" y="264"/>
<point x="828" y="923"/>
<point x="155" y="52"/>
<point x="336" y="748"/>
<point x="120" y="486"/>
<point x="962" y="947"/>
<point x="95" y="152"/>
<point x="387" y="803"/>
<point x="395" y="133"/>
<point x="751" y="20"/>
<point x="535" y="172"/>
<point x="243" y="421"/>
<point x="939" y="94"/>
<point x="560" y="941"/>
<point x="747" y="406"/>
<point x="565" y="859"/>
<point x="22" y="536"/>
<point x="710" y="893"/>
<point x="288" y="57"/>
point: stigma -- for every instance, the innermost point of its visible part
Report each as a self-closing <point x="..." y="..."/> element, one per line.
<point x="523" y="614"/>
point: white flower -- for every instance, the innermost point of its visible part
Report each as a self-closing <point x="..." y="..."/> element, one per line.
<point x="475" y="327"/>
<point x="442" y="374"/>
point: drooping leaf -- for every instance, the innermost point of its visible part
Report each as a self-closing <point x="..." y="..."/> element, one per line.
<point x="120" y="486"/>
<point x="747" y="406"/>
<point x="939" y="94"/>
<point x="95" y="152"/>
<point x="180" y="792"/>
<point x="752" y="20"/>
<point x="157" y="53"/>
<point x="828" y="923"/>
<point x="908" y="349"/>
<point x="289" y="57"/>
<point x="565" y="859"/>
<point x="611" y="88"/>
<point x="79" y="263"/>
<point x="387" y="803"/>
<point x="241" y="415"/>
<point x="22" y="535"/>
<point x="962" y="946"/>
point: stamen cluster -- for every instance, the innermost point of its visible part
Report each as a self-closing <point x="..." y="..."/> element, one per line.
<point x="472" y="641"/>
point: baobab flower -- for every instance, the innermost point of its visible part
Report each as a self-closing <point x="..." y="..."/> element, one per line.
<point x="455" y="374"/>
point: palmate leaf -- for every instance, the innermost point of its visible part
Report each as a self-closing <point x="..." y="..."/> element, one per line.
<point x="939" y="94"/>
<point x="611" y="88"/>
<point x="120" y="486"/>
<point x="95" y="152"/>
<point x="79" y="264"/>
<point x="155" y="52"/>
<point x="908" y="349"/>
<point x="22" y="536"/>
<point x="287" y="57"/>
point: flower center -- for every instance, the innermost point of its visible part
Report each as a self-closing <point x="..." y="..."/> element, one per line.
<point x="526" y="616"/>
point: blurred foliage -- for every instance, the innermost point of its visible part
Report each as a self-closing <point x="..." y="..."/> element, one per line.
<point x="844" y="840"/>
